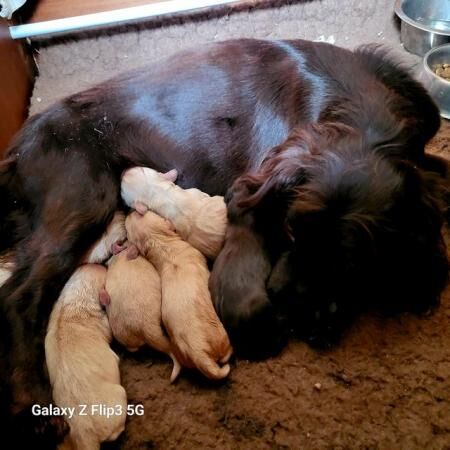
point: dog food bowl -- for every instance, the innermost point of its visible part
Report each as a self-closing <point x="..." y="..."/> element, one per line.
<point x="438" y="87"/>
<point x="424" y="24"/>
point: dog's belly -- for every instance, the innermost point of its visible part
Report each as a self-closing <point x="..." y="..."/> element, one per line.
<point x="212" y="113"/>
<point x="203" y="126"/>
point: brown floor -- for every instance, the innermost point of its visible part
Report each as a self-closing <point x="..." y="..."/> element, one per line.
<point x="387" y="386"/>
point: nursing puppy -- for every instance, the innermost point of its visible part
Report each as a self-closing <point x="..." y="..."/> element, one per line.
<point x="198" y="218"/>
<point x="6" y="267"/>
<point x="83" y="370"/>
<point x="133" y="304"/>
<point x="196" y="332"/>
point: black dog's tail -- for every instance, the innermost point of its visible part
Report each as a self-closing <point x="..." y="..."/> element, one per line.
<point x="12" y="214"/>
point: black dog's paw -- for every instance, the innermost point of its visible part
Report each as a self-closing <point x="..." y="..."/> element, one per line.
<point x="322" y="328"/>
<point x="261" y="334"/>
<point x="321" y="338"/>
<point x="36" y="431"/>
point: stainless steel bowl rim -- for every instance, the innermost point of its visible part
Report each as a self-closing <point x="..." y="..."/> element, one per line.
<point x="398" y="8"/>
<point x="427" y="66"/>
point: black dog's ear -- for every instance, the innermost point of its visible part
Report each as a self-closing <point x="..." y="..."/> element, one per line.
<point x="284" y="167"/>
<point x="277" y="175"/>
<point x="287" y="166"/>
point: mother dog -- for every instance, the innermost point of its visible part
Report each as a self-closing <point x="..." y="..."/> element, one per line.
<point x="326" y="151"/>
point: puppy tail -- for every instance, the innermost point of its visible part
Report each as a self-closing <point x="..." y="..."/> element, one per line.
<point x="227" y="356"/>
<point x="213" y="371"/>
<point x="176" y="368"/>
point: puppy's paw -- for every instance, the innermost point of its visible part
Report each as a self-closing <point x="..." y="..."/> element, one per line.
<point x="140" y="207"/>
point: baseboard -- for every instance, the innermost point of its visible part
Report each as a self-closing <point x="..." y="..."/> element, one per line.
<point x="81" y="15"/>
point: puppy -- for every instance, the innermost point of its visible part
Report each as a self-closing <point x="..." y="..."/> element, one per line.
<point x="133" y="304"/>
<point x="187" y="312"/>
<point x="110" y="243"/>
<point x="198" y="218"/>
<point x="83" y="370"/>
<point x="6" y="267"/>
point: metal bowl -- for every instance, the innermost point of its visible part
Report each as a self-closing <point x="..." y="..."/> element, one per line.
<point x="436" y="85"/>
<point x="424" y="24"/>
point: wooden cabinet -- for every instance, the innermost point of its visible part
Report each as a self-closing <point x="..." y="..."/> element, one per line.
<point x="15" y="86"/>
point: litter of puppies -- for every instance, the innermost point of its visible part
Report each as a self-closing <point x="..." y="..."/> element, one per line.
<point x="152" y="289"/>
<point x="199" y="338"/>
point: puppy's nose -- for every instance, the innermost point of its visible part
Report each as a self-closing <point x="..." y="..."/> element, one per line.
<point x="126" y="175"/>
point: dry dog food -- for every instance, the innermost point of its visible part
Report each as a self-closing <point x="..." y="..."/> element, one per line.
<point x="442" y="70"/>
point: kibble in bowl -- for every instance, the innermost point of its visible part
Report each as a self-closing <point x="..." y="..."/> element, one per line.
<point x="442" y="70"/>
<point x="435" y="75"/>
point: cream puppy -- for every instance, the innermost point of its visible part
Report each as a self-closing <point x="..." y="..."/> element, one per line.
<point x="133" y="304"/>
<point x="111" y="242"/>
<point x="6" y="267"/>
<point x="198" y="336"/>
<point x="198" y="218"/>
<point x="83" y="369"/>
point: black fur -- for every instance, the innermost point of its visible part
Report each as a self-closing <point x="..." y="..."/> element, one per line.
<point x="300" y="127"/>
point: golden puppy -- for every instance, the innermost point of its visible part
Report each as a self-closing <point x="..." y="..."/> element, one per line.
<point x="111" y="242"/>
<point x="198" y="218"/>
<point x="133" y="304"/>
<point x="196" y="332"/>
<point x="6" y="267"/>
<point x="83" y="370"/>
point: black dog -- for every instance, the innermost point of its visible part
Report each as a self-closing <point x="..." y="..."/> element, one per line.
<point x="327" y="150"/>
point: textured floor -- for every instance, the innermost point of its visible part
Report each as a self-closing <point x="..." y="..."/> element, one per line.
<point x="387" y="386"/>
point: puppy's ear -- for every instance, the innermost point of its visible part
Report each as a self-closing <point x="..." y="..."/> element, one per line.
<point x="171" y="175"/>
